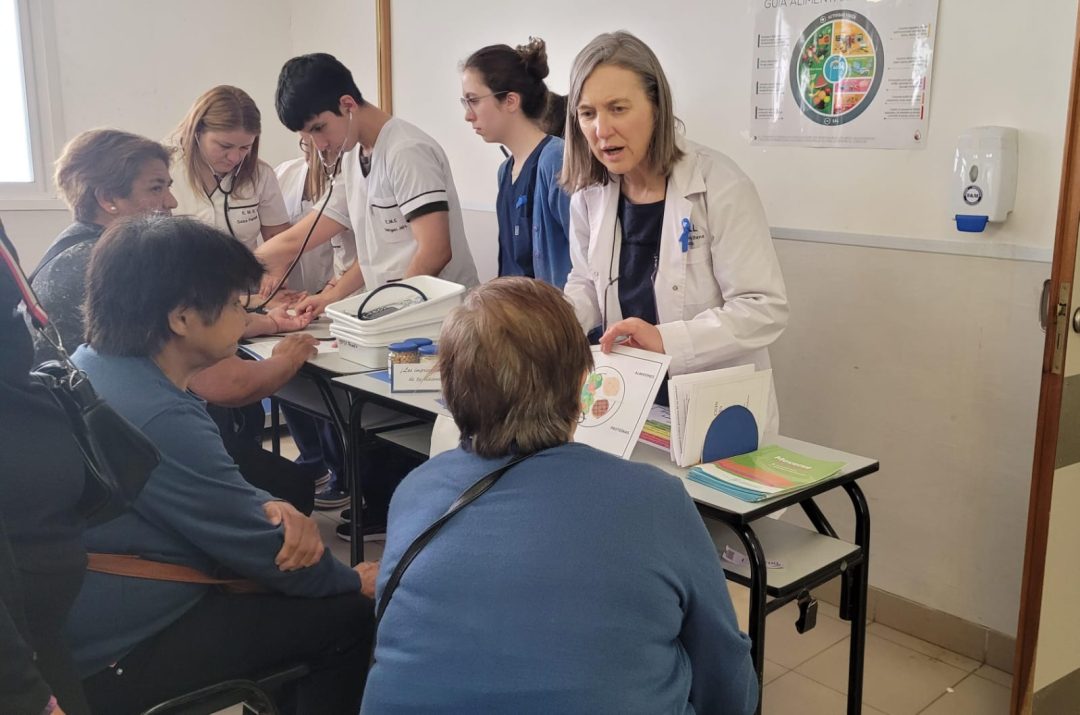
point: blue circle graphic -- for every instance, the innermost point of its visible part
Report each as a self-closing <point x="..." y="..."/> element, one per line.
<point x="835" y="68"/>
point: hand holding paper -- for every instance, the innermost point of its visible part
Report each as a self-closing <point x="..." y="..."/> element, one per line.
<point x="638" y="334"/>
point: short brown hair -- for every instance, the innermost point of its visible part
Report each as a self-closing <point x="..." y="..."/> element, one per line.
<point x="512" y="360"/>
<point x="102" y="160"/>
<point x="580" y="168"/>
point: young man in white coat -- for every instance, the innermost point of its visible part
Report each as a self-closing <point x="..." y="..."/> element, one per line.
<point x="395" y="190"/>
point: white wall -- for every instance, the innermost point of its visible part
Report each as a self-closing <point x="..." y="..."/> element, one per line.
<point x="345" y="29"/>
<point x="929" y="362"/>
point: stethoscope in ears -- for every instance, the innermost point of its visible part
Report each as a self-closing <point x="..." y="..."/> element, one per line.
<point x="219" y="180"/>
<point x="330" y="171"/>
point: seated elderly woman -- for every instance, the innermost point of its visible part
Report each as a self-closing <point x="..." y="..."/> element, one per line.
<point x="164" y="301"/>
<point x="579" y="582"/>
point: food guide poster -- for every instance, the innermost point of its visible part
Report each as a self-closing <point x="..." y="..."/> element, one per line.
<point x="842" y="73"/>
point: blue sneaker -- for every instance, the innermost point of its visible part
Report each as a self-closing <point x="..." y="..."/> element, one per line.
<point x="330" y="498"/>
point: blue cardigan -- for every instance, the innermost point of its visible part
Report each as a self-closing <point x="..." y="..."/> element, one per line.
<point x="580" y="583"/>
<point x="195" y="510"/>
<point x="550" y="219"/>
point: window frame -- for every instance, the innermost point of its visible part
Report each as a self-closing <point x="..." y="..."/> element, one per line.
<point x="42" y="106"/>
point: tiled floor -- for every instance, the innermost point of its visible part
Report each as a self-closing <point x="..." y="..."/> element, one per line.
<point x="807" y="674"/>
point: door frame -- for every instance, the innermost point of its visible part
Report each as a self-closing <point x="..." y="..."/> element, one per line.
<point x="383" y="36"/>
<point x="1046" y="434"/>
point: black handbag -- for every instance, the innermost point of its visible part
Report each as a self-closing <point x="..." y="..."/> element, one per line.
<point x="118" y="457"/>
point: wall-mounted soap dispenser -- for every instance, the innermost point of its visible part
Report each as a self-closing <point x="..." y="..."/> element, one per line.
<point x="984" y="176"/>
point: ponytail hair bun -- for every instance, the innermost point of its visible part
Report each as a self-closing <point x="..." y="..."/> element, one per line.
<point x="534" y="56"/>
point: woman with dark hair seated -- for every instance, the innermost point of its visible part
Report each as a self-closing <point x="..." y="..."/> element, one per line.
<point x="164" y="301"/>
<point x="579" y="582"/>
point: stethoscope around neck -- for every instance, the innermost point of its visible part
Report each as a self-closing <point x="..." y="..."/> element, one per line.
<point x="219" y="181"/>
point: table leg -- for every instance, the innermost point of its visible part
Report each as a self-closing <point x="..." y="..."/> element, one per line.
<point x="817" y="518"/>
<point x="275" y="427"/>
<point x="758" y="576"/>
<point x="860" y="580"/>
<point x="354" y="468"/>
<point x="351" y="442"/>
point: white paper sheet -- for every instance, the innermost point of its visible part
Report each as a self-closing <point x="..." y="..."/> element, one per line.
<point x="617" y="396"/>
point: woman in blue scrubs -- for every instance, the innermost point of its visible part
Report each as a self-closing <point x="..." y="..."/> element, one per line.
<point x="507" y="102"/>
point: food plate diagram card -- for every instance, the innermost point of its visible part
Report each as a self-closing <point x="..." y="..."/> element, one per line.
<point x="616" y="398"/>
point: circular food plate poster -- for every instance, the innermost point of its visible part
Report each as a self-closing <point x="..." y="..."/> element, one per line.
<point x="601" y="396"/>
<point x="837" y="67"/>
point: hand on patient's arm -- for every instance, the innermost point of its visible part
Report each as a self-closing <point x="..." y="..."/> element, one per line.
<point x="303" y="545"/>
<point x="284" y="298"/>
<point x="638" y="333"/>
<point x="433" y="251"/>
<point x="350" y="281"/>
<point x="278" y="320"/>
<point x="277" y="253"/>
<point x="369" y="574"/>
<point x="287" y="319"/>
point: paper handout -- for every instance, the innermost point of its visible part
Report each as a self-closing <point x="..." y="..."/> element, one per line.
<point x="617" y="396"/>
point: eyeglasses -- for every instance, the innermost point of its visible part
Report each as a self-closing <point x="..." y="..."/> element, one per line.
<point x="468" y="103"/>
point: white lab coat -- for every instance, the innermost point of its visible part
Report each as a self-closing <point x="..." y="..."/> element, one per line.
<point x="720" y="303"/>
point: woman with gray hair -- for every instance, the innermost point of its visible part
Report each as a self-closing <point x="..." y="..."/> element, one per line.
<point x="669" y="243"/>
<point x="577" y="582"/>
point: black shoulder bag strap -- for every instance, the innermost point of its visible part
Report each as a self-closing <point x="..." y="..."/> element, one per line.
<point x="62" y="243"/>
<point x="467" y="497"/>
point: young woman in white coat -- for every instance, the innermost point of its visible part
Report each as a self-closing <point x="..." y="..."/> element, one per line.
<point x="669" y="245"/>
<point x="220" y="179"/>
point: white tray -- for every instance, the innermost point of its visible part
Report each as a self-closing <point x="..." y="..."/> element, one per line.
<point x="442" y="297"/>
<point x="430" y="330"/>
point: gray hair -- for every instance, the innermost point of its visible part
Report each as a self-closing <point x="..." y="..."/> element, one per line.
<point x="580" y="168"/>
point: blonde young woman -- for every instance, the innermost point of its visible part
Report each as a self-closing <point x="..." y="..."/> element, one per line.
<point x="219" y="176"/>
<point x="303" y="183"/>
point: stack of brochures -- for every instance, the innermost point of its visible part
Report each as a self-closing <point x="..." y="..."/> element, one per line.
<point x="764" y="473"/>
<point x="696" y="399"/>
<point x="657" y="429"/>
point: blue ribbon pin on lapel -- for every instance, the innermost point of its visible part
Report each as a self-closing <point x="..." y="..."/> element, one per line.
<point x="684" y="237"/>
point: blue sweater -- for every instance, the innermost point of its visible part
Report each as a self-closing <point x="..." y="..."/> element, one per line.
<point x="195" y="510"/>
<point x="549" y="219"/>
<point x="580" y="583"/>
